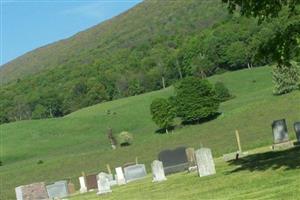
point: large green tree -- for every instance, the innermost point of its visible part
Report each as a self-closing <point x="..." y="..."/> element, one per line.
<point x="195" y="99"/>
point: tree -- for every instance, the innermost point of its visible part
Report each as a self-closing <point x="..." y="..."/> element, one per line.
<point x="39" y="112"/>
<point x="286" y="79"/>
<point x="195" y="99"/>
<point x="162" y="112"/>
<point x="284" y="44"/>
<point x="222" y="92"/>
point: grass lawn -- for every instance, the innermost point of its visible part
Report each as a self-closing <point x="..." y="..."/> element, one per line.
<point x="261" y="175"/>
<point x="78" y="142"/>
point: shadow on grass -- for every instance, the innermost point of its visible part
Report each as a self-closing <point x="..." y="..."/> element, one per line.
<point x="288" y="159"/>
<point x="200" y="121"/>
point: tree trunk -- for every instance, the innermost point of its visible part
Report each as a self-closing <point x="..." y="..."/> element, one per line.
<point x="179" y="70"/>
<point x="167" y="131"/>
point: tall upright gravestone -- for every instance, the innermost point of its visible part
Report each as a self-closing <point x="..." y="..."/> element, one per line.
<point x="91" y="181"/>
<point x="82" y="183"/>
<point x="120" y="176"/>
<point x="297" y="130"/>
<point x="205" y="162"/>
<point x="103" y="183"/>
<point x="280" y="135"/>
<point x="158" y="172"/>
<point x="35" y="191"/>
<point x="174" y="160"/>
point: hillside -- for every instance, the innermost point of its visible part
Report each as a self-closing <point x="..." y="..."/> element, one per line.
<point x="78" y="142"/>
<point x="150" y="21"/>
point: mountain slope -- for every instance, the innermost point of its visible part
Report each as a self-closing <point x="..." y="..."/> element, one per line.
<point x="148" y="21"/>
<point x="78" y="142"/>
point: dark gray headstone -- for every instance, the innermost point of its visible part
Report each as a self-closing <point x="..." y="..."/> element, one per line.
<point x="280" y="133"/>
<point x="135" y="172"/>
<point x="58" y="189"/>
<point x="297" y="130"/>
<point x="174" y="160"/>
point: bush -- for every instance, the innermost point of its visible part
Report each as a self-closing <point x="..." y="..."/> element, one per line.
<point x="162" y="112"/>
<point x="222" y="92"/>
<point x="125" y="138"/>
<point x="195" y="100"/>
<point x="40" y="162"/>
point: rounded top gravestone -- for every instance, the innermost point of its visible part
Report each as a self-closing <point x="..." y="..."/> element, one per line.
<point x="297" y="130"/>
<point x="280" y="133"/>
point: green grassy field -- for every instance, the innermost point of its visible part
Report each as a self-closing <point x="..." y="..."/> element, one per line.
<point x="78" y="142"/>
<point x="261" y="175"/>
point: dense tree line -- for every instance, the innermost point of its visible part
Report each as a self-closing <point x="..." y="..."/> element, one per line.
<point x="133" y="69"/>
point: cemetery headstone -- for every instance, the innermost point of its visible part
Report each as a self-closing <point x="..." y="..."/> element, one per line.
<point x="280" y="135"/>
<point x="190" y="154"/>
<point x="297" y="130"/>
<point x="174" y="160"/>
<point x="83" y="187"/>
<point x="120" y="176"/>
<point x="128" y="164"/>
<point x="158" y="171"/>
<point x="71" y="188"/>
<point x="91" y="182"/>
<point x="103" y="183"/>
<point x="57" y="190"/>
<point x="135" y="172"/>
<point x="205" y="162"/>
<point x="33" y="191"/>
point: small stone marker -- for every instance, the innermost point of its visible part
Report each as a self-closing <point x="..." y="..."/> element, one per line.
<point x="190" y="154"/>
<point x="135" y="172"/>
<point x="58" y="190"/>
<point x="71" y="188"/>
<point x="120" y="176"/>
<point x="297" y="130"/>
<point x="158" y="171"/>
<point x="103" y="183"/>
<point x="205" y="162"/>
<point x="83" y="187"/>
<point x="174" y="160"/>
<point x="280" y="135"/>
<point x="32" y="191"/>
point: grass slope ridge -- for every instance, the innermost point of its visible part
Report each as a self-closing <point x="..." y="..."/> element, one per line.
<point x="78" y="142"/>
<point x="148" y="21"/>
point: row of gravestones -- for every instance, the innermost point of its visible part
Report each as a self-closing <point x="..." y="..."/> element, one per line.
<point x="280" y="134"/>
<point x="170" y="161"/>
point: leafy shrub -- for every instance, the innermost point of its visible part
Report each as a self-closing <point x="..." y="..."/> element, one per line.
<point x="162" y="112"/>
<point x="40" y="162"/>
<point x="222" y="92"/>
<point x="125" y="138"/>
<point x="195" y="100"/>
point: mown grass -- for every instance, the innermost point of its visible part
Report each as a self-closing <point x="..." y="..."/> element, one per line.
<point x="261" y="175"/>
<point x="78" y="142"/>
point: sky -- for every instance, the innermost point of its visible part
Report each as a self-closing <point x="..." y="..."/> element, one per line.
<point x="29" y="24"/>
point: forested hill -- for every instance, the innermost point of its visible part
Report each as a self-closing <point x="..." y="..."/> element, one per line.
<point x="148" y="23"/>
<point x="148" y="47"/>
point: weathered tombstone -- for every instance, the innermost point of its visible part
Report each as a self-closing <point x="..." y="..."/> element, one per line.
<point x="297" y="130"/>
<point x="103" y="183"/>
<point x="190" y="154"/>
<point x="135" y="172"/>
<point x="158" y="171"/>
<point x="280" y="135"/>
<point x="33" y="191"/>
<point x="71" y="188"/>
<point x="205" y="162"/>
<point x="57" y="190"/>
<point x="91" y="182"/>
<point x="174" y="160"/>
<point x="83" y="187"/>
<point x="120" y="176"/>
<point x="128" y="164"/>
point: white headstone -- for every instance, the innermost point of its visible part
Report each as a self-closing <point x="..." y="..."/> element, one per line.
<point x="83" y="187"/>
<point x="135" y="172"/>
<point x="58" y="190"/>
<point x="205" y="162"/>
<point x="19" y="194"/>
<point x="120" y="176"/>
<point x="103" y="183"/>
<point x="158" y="171"/>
